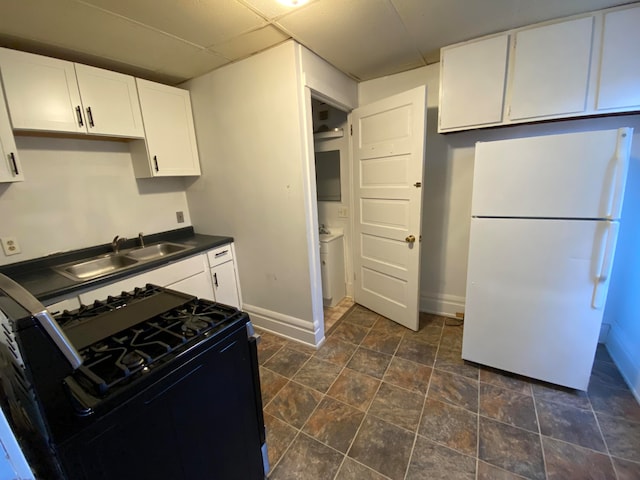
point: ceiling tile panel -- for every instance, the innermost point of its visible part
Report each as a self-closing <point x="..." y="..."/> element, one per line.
<point x="450" y="21"/>
<point x="364" y="38"/>
<point x="203" y="22"/>
<point x="96" y="33"/>
<point x="251" y="43"/>
<point x="272" y="9"/>
<point x="177" y="39"/>
<point x="437" y="23"/>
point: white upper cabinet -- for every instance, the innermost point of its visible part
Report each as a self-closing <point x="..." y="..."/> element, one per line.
<point x="619" y="80"/>
<point x="110" y="102"/>
<point x="41" y="92"/>
<point x="472" y="83"/>
<point x="10" y="168"/>
<point x="551" y="68"/>
<point x="47" y="94"/>
<point x="171" y="148"/>
<point x="583" y="65"/>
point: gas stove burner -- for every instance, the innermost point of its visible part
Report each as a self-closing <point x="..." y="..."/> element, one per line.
<point x="194" y="324"/>
<point x="139" y="330"/>
<point x="132" y="360"/>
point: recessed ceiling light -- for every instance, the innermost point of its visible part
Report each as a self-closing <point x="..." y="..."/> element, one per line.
<point x="293" y="3"/>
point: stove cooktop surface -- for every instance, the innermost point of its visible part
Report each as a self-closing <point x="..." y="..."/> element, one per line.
<point x="127" y="335"/>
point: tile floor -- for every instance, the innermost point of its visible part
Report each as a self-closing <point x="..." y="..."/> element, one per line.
<point x="333" y="314"/>
<point x="378" y="401"/>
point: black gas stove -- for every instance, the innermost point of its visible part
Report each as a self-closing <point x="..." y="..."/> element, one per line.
<point x="143" y="328"/>
<point x="85" y="387"/>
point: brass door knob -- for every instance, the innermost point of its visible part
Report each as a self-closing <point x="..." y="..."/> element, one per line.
<point x="410" y="239"/>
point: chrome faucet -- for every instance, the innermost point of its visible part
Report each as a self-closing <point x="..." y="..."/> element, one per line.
<point x="117" y="243"/>
<point x="141" y="239"/>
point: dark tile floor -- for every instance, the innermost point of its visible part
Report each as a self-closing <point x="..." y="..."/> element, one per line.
<point x="378" y="401"/>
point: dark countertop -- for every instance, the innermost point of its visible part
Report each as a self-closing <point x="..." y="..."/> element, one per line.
<point x="39" y="277"/>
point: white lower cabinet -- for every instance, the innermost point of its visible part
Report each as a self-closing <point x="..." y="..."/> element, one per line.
<point x="198" y="285"/>
<point x="210" y="275"/>
<point x="185" y="275"/>
<point x="223" y="275"/>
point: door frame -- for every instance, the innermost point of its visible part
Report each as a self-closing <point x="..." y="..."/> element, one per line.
<point x="310" y="194"/>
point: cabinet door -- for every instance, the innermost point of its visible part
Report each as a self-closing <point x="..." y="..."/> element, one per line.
<point x="10" y="168"/>
<point x="619" y="85"/>
<point x="224" y="284"/>
<point x="166" y="275"/>
<point x="110" y="102"/>
<point x="42" y="93"/>
<point x="198" y="285"/>
<point x="472" y="83"/>
<point x="169" y="130"/>
<point x="551" y="70"/>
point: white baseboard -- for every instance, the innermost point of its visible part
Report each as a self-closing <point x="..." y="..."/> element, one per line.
<point x="626" y="357"/>
<point x="441" y="304"/>
<point x="303" y="331"/>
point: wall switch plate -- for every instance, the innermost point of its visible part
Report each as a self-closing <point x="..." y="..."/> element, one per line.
<point x="180" y="217"/>
<point x="343" y="212"/>
<point x="10" y="245"/>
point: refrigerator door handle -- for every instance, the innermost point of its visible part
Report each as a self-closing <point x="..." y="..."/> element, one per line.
<point x="614" y="205"/>
<point x="606" y="264"/>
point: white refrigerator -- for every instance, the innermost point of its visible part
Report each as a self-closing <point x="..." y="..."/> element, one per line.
<point x="544" y="225"/>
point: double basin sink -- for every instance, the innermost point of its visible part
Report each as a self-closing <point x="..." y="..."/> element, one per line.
<point x="113" y="262"/>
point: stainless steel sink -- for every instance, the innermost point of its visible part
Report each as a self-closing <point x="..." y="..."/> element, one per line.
<point x="158" y="250"/>
<point x="110" y="263"/>
<point x="96" y="267"/>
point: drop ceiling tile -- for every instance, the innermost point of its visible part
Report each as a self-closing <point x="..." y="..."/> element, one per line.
<point x="250" y="43"/>
<point x="203" y="22"/>
<point x="186" y="65"/>
<point x="364" y="38"/>
<point x="438" y="23"/>
<point x="272" y="9"/>
<point x="95" y="33"/>
<point x="528" y="12"/>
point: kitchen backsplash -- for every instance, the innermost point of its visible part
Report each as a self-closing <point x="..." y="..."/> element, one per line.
<point x="79" y="193"/>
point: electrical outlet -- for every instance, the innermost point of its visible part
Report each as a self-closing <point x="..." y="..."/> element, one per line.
<point x="10" y="245"/>
<point x="180" y="217"/>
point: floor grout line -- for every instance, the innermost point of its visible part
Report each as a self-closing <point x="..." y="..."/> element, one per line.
<point x="447" y="367"/>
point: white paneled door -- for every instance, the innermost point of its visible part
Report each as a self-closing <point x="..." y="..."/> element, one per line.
<point x="388" y="157"/>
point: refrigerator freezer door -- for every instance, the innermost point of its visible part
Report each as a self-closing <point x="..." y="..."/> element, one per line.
<point x="575" y="175"/>
<point x="530" y="290"/>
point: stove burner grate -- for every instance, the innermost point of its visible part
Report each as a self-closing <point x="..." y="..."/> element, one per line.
<point x="116" y="360"/>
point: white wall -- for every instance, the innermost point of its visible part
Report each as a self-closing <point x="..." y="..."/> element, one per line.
<point x="254" y="127"/>
<point x="622" y="312"/>
<point x="447" y="206"/>
<point x="82" y="192"/>
<point x="247" y="119"/>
